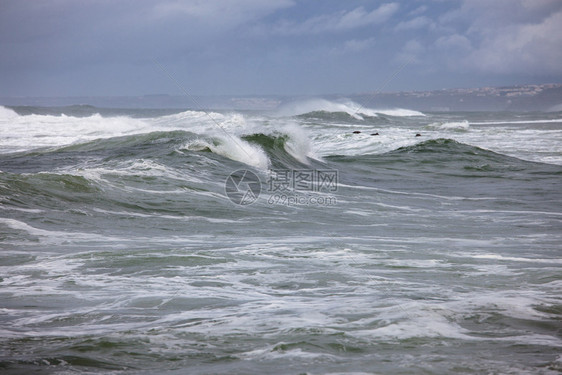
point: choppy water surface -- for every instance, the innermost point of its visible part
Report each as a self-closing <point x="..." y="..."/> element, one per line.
<point x="437" y="253"/>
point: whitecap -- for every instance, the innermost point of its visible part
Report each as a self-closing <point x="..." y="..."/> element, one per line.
<point x="235" y="148"/>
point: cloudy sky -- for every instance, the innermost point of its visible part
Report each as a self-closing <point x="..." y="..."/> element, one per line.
<point x="243" y="47"/>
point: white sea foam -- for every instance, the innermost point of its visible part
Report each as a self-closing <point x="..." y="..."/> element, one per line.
<point x="534" y="144"/>
<point x="518" y="259"/>
<point x="338" y="142"/>
<point x="185" y="119"/>
<point x="139" y="167"/>
<point x="170" y="217"/>
<point x="23" y="133"/>
<point x="315" y="105"/>
<point x="7" y="114"/>
<point x="221" y="133"/>
<point x="203" y="122"/>
<point x="32" y="210"/>
<point x="272" y="352"/>
<point x="238" y="149"/>
<point x="527" y="143"/>
<point x="399" y="112"/>
<point x="455" y="125"/>
<point x="19" y="225"/>
<point x="351" y="108"/>
<point x="518" y="304"/>
<point x="545" y="121"/>
<point x="55" y="237"/>
<point x="232" y="147"/>
<point x="524" y="143"/>
<point x="298" y="145"/>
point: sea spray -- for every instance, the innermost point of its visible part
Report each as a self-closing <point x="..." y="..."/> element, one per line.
<point x="354" y="110"/>
<point x="298" y="143"/>
<point x="237" y="149"/>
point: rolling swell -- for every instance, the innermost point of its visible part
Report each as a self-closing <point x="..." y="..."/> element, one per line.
<point x="449" y="155"/>
<point x="442" y="151"/>
<point x="158" y="144"/>
<point x="448" y="168"/>
<point x="342" y="117"/>
<point x="152" y="173"/>
<point x="109" y="170"/>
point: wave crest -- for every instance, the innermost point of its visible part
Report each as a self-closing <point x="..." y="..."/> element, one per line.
<point x="454" y="125"/>
<point x="7" y="113"/>
<point x="348" y="107"/>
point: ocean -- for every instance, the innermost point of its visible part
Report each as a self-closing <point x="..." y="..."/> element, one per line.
<point x="319" y="238"/>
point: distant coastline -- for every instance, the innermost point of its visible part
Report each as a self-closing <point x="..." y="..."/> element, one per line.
<point x="522" y="98"/>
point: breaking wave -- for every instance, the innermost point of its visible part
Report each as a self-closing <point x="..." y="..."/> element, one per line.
<point x="352" y="109"/>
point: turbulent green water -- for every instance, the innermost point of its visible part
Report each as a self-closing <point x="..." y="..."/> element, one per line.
<point x="122" y="252"/>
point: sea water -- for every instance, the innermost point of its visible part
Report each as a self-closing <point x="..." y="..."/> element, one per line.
<point x="361" y="241"/>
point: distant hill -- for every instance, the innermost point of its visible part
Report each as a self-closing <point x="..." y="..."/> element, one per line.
<point x="545" y="97"/>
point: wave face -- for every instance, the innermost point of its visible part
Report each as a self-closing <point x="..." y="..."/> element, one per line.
<point x="364" y="238"/>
